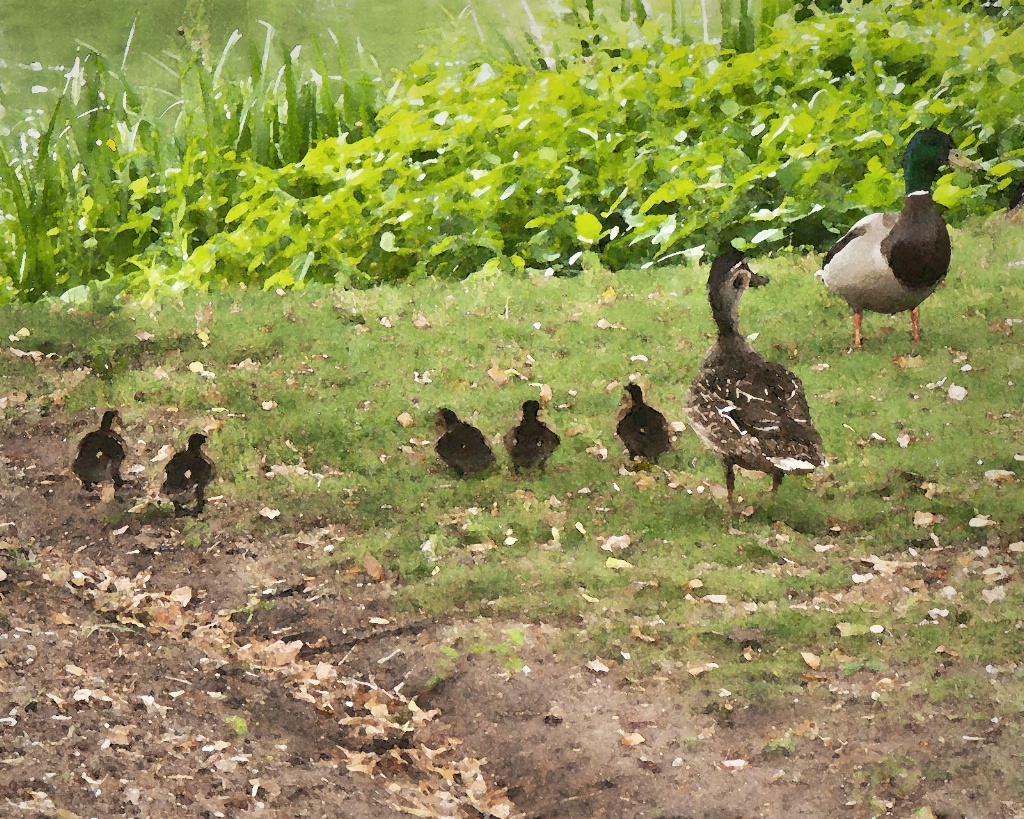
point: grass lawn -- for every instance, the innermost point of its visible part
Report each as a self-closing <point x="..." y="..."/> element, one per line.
<point x="902" y="555"/>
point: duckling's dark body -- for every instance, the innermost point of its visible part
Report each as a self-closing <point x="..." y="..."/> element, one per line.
<point x="891" y="262"/>
<point x="461" y="445"/>
<point x="641" y="427"/>
<point x="748" y="411"/>
<point x="531" y="442"/>
<point x="187" y="475"/>
<point x="100" y="454"/>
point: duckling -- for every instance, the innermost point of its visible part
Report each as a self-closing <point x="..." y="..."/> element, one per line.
<point x="748" y="411"/>
<point x="100" y="454"/>
<point x="891" y="262"/>
<point x="641" y="427"/>
<point x="461" y="445"/>
<point x="531" y="442"/>
<point x="188" y="474"/>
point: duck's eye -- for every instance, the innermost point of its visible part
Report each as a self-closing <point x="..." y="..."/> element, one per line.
<point x="737" y="282"/>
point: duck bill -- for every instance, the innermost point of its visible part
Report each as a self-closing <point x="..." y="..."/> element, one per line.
<point x="958" y="160"/>
<point x="757" y="280"/>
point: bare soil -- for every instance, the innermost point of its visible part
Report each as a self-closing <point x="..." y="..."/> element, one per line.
<point x="108" y="713"/>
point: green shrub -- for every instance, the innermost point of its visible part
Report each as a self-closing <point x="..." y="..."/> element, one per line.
<point x="632" y="145"/>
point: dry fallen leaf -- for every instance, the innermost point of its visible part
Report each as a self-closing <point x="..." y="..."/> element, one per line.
<point x="645" y="481"/>
<point x="498" y="375"/>
<point x="956" y="393"/>
<point x="812" y="660"/>
<point x="995" y="595"/>
<point x="281" y="653"/>
<point x="926" y="518"/>
<point x="1000" y="475"/>
<point x="373" y="567"/>
<point x="980" y="521"/>
<point x="613" y="542"/>
<point x="406" y="420"/>
<point x="269" y="513"/>
<point x="908" y="362"/>
<point x="598" y="667"/>
<point x="631" y="740"/>
<point x="420" y="322"/>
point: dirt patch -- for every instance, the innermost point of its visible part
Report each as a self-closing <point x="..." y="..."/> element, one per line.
<point x="123" y="695"/>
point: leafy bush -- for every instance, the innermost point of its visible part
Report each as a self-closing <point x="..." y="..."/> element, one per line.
<point x="115" y="184"/>
<point x="630" y="145"/>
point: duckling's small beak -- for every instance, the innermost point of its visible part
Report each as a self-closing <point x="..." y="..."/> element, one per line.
<point x="757" y="280"/>
<point x="958" y="160"/>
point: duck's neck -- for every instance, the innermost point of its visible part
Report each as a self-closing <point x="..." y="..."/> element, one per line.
<point x="919" y="178"/>
<point x="728" y="323"/>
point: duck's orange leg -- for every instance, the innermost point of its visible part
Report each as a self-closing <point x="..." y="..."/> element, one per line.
<point x="858" y="317"/>
<point x="915" y="325"/>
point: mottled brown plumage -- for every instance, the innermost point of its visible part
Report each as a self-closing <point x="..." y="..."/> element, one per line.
<point x="641" y="427"/>
<point x="187" y="475"/>
<point x="531" y="441"/>
<point x="100" y="454"/>
<point x="461" y="445"/>
<point x="748" y="411"/>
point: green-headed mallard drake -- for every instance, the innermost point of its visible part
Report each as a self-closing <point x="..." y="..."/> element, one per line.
<point x="891" y="262"/>
<point x="460" y="445"/>
<point x="100" y="454"/>
<point x="641" y="427"/>
<point x="748" y="411"/>
<point x="187" y="475"/>
<point x="531" y="441"/>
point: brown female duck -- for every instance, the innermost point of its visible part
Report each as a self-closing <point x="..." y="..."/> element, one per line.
<point x="748" y="411"/>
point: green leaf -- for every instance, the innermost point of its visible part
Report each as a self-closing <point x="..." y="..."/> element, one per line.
<point x="237" y="724"/>
<point x="588" y="228"/>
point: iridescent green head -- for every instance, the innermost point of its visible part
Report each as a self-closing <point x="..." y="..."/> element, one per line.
<point x="929" y="150"/>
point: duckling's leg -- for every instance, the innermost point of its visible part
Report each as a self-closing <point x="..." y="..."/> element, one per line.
<point x="776" y="482"/>
<point x="858" y="317"/>
<point x="730" y="480"/>
<point x="915" y="325"/>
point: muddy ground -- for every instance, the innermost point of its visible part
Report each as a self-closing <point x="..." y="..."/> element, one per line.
<point x="143" y="673"/>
